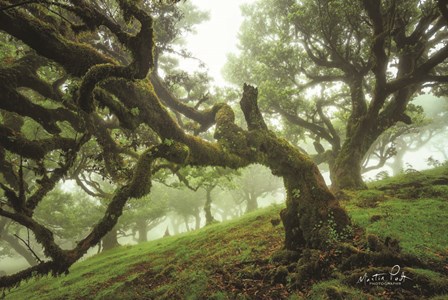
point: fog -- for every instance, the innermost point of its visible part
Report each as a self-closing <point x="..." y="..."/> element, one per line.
<point x="125" y="122"/>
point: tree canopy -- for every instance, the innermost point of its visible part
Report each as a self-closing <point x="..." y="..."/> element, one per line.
<point x="345" y="77"/>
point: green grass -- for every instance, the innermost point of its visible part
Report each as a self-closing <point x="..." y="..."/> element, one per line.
<point x="235" y="259"/>
<point x="420" y="225"/>
<point x="174" y="266"/>
<point x="409" y="207"/>
<point x="334" y="289"/>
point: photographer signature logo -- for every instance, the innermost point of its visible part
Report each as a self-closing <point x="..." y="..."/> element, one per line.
<point x="393" y="278"/>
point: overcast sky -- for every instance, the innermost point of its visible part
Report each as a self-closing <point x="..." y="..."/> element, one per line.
<point x="218" y="36"/>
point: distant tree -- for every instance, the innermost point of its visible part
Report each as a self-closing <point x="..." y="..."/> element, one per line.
<point x="345" y="77"/>
<point x="143" y="215"/>
<point x="187" y="204"/>
<point x="254" y="182"/>
<point x="208" y="179"/>
<point x="64" y="213"/>
<point x="11" y="244"/>
<point x="227" y="205"/>
<point x="388" y="146"/>
<point x="403" y="139"/>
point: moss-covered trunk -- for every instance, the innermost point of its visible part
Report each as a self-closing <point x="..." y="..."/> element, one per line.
<point x="348" y="164"/>
<point x="346" y="172"/>
<point x="312" y="212"/>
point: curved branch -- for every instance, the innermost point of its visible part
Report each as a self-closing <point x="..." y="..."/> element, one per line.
<point x="206" y="118"/>
<point x="17" y="143"/>
<point x="295" y="119"/>
<point x="75" y="58"/>
<point x="6" y="168"/>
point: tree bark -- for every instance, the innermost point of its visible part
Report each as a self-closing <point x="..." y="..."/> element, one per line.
<point x="142" y="229"/>
<point x="197" y="219"/>
<point x="346" y="173"/>
<point x="110" y="240"/>
<point x="209" y="219"/>
<point x="252" y="203"/>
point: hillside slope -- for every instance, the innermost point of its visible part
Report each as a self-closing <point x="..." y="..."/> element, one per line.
<point x="242" y="259"/>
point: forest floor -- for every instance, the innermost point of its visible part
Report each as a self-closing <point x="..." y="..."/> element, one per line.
<point x="243" y="258"/>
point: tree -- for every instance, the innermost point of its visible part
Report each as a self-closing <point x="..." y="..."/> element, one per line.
<point x="140" y="216"/>
<point x="208" y="179"/>
<point x="11" y="244"/>
<point x="255" y="182"/>
<point x="388" y="144"/>
<point x="89" y="96"/>
<point x="345" y="77"/>
<point x="390" y="148"/>
<point x="187" y="204"/>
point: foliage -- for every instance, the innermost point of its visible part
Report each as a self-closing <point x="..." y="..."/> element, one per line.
<point x="345" y="78"/>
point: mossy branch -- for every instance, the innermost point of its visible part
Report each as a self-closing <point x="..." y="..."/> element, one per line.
<point x="17" y="143"/>
<point x="75" y="58"/>
<point x="6" y="168"/>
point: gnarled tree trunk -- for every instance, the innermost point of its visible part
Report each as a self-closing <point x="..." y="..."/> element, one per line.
<point x="346" y="172"/>
<point x="311" y="209"/>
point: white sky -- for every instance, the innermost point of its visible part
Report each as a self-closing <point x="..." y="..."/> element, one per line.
<point x="218" y="36"/>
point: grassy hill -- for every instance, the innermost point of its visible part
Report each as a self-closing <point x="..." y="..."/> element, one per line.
<point x="243" y="258"/>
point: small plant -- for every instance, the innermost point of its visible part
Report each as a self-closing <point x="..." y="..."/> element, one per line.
<point x="168" y="142"/>
<point x="296" y="193"/>
<point x="430" y="161"/>
<point x="135" y="111"/>
<point x="333" y="235"/>
<point x="382" y="175"/>
<point x="410" y="169"/>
